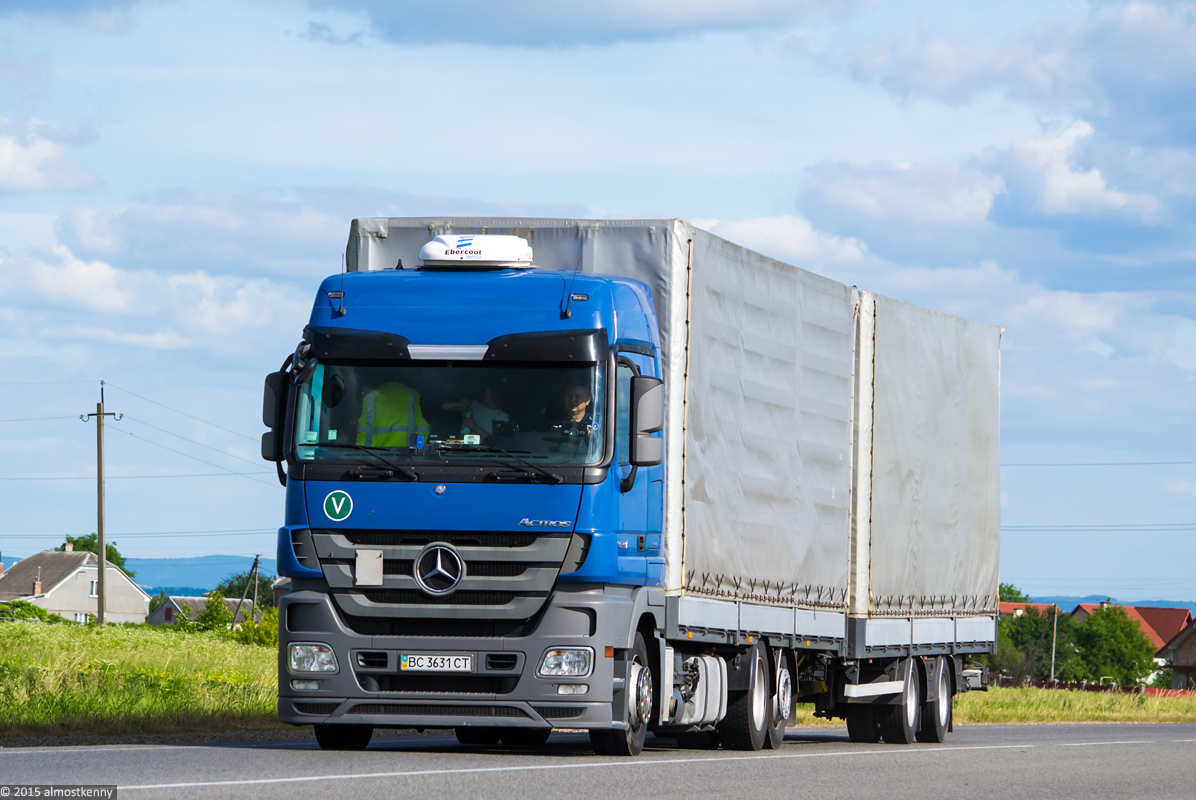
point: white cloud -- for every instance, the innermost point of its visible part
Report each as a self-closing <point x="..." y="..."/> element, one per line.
<point x="788" y="238"/>
<point x="89" y="284"/>
<point x="549" y="23"/>
<point x="1040" y="65"/>
<point x="1046" y="168"/>
<point x="32" y="162"/>
<point x="88" y="301"/>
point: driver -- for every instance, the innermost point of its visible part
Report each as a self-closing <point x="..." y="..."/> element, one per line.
<point x="579" y="414"/>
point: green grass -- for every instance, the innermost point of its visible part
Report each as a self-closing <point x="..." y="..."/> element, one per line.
<point x="74" y="679"/>
<point x="1058" y="705"/>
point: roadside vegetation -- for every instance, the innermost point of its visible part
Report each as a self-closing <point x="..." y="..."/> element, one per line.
<point x="65" y="678"/>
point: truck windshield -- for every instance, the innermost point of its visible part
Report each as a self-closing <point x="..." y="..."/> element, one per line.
<point x="439" y="412"/>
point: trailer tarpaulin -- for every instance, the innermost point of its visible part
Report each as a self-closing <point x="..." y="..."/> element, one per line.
<point x="935" y="500"/>
<point x="768" y="413"/>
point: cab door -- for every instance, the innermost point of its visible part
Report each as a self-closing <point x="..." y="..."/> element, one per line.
<point x="640" y="489"/>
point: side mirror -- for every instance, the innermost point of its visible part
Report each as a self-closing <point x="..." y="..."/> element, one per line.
<point x="274" y="407"/>
<point x="647" y="417"/>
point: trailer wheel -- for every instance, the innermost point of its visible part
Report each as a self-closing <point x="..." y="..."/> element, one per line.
<point x="477" y="737"/>
<point x="746" y="724"/>
<point x="863" y="723"/>
<point x="524" y="737"/>
<point x="638" y="683"/>
<point x="782" y="703"/>
<point x="936" y="714"/>
<point x="899" y="723"/>
<point x="343" y="737"/>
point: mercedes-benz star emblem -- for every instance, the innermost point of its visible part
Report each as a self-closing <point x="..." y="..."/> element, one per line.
<point x="439" y="569"/>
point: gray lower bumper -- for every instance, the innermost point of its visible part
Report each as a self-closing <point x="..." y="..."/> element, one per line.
<point x="586" y="616"/>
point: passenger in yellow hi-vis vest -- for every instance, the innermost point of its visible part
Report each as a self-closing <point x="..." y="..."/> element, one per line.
<point x="391" y="417"/>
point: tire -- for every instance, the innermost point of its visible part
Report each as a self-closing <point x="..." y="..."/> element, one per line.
<point x="899" y="723"/>
<point x="698" y="740"/>
<point x="746" y="724"/>
<point x="781" y="704"/>
<point x="344" y="737"/>
<point x="863" y="723"/>
<point x="478" y="737"/>
<point x="524" y="737"/>
<point x="936" y="714"/>
<point x="638" y="681"/>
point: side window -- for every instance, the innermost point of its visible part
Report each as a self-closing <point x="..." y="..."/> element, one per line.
<point x="623" y="414"/>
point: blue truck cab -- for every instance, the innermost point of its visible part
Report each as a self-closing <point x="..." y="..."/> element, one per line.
<point x="472" y="458"/>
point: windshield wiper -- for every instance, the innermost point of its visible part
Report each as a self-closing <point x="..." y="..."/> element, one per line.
<point x="407" y="471"/>
<point x="485" y="448"/>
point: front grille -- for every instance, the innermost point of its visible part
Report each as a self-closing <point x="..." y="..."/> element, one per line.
<point x="416" y="597"/>
<point x="501" y="660"/>
<point x="550" y="712"/>
<point x="323" y="709"/>
<point x="418" y="626"/>
<point x="459" y="538"/>
<point x="405" y="709"/>
<point x="477" y="569"/>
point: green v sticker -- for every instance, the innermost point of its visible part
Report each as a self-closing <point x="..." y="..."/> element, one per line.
<point x="338" y="505"/>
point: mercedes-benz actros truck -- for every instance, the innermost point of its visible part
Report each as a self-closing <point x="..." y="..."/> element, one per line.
<point x="627" y="477"/>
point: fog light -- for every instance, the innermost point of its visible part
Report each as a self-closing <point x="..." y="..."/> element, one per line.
<point x="567" y="688"/>
<point x="305" y="686"/>
<point x="312" y="658"/>
<point x="571" y="662"/>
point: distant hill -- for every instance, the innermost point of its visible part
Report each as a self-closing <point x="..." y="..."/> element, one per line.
<point x="1069" y="604"/>
<point x="198" y="575"/>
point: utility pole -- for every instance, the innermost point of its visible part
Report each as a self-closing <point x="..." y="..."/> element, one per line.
<point x="1054" y="638"/>
<point x="101" y="546"/>
<point x="253" y="578"/>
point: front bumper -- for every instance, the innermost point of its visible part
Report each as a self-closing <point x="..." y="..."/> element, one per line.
<point x="503" y="690"/>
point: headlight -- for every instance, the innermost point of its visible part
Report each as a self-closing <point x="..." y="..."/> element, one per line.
<point x="567" y="662"/>
<point x="312" y="658"/>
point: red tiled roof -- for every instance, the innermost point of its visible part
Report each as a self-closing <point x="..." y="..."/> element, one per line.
<point x="1159" y="624"/>
<point x="1013" y="608"/>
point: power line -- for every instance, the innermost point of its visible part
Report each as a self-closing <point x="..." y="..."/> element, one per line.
<point x="36" y="419"/>
<point x="184" y="413"/>
<point x="188" y="455"/>
<point x="46" y="383"/>
<point x="1104" y="464"/>
<point x="158" y="534"/>
<point x="140" y="477"/>
<point x="192" y="441"/>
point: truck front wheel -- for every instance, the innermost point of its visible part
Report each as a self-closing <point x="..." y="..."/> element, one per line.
<point x="639" y="693"/>
<point x="343" y="737"/>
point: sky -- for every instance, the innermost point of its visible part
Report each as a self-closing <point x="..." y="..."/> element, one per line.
<point x="177" y="176"/>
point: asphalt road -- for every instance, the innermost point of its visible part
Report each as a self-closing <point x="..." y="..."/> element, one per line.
<point x="1062" y="762"/>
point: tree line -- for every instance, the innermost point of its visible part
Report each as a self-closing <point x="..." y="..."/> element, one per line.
<point x="1106" y="644"/>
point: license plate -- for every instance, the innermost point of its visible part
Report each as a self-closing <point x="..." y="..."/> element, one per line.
<point x="435" y="662"/>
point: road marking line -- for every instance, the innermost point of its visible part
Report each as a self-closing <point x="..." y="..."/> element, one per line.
<point x="545" y="767"/>
<point x="1096" y="744"/>
<point x="99" y="748"/>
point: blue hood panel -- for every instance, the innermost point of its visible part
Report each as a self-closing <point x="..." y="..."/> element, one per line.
<point x="462" y="506"/>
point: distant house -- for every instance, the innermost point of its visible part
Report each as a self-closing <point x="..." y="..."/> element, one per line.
<point x="1180" y="651"/>
<point x="168" y="613"/>
<point x="281" y="587"/>
<point x="1159" y="624"/>
<point x="1018" y="609"/>
<point x="66" y="584"/>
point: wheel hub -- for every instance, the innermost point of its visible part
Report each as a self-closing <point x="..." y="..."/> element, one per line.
<point x="639" y="699"/>
<point x="784" y="693"/>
